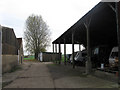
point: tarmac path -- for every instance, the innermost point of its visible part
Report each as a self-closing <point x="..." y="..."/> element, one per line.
<point x="49" y="75"/>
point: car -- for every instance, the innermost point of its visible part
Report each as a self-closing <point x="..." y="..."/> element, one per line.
<point x="71" y="61"/>
<point x="113" y="58"/>
<point x="81" y="58"/>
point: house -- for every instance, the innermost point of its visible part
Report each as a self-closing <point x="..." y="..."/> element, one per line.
<point x="9" y="49"/>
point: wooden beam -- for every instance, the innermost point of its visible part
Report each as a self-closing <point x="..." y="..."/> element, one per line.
<point x="64" y="52"/>
<point x="73" y="50"/>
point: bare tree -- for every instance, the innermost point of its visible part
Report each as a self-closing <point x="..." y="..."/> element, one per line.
<point x="36" y="35"/>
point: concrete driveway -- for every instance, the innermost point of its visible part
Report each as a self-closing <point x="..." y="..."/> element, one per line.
<point x="49" y="75"/>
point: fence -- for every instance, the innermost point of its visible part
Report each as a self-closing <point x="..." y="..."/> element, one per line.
<point x="48" y="56"/>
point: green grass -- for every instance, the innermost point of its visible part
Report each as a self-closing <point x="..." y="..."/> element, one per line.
<point x="63" y="58"/>
<point x="29" y="58"/>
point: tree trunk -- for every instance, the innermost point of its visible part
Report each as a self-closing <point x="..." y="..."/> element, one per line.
<point x="36" y="55"/>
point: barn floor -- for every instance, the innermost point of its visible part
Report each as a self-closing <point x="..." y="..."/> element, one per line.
<point x="49" y="75"/>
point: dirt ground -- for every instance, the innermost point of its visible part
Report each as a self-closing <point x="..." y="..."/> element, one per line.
<point x="50" y="75"/>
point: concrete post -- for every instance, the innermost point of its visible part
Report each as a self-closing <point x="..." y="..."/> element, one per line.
<point x="64" y="52"/>
<point x="73" y="50"/>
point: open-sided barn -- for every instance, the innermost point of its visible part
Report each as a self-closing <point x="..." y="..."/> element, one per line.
<point x="99" y="27"/>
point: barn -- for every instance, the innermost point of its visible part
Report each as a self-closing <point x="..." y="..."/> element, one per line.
<point x="9" y="49"/>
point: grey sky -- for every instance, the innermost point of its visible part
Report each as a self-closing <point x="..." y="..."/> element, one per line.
<point x="58" y="14"/>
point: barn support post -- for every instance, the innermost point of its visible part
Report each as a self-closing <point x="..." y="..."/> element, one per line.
<point x="59" y="53"/>
<point x="53" y="52"/>
<point x="118" y="36"/>
<point x="1" y="56"/>
<point x="64" y="52"/>
<point x="79" y="47"/>
<point x="88" y="62"/>
<point x="73" y="50"/>
<point x="56" y="48"/>
<point x="56" y="53"/>
<point x="53" y="48"/>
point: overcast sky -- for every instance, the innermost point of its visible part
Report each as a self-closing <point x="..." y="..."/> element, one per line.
<point x="58" y="14"/>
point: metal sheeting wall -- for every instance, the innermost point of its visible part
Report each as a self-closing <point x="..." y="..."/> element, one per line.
<point x="48" y="57"/>
<point x="9" y="42"/>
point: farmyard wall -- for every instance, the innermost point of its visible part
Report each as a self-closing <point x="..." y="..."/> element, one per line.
<point x="8" y="62"/>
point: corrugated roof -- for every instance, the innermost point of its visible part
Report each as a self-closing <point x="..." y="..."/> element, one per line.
<point x="102" y="28"/>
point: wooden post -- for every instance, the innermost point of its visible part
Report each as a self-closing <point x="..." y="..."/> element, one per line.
<point x="56" y="48"/>
<point x="59" y="53"/>
<point x="53" y="48"/>
<point x="88" y="62"/>
<point x="0" y="55"/>
<point x="73" y="50"/>
<point x="56" y="51"/>
<point x="79" y="47"/>
<point x="64" y="52"/>
<point x="118" y="36"/>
